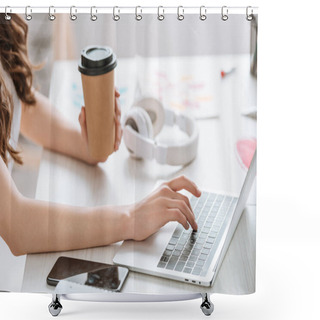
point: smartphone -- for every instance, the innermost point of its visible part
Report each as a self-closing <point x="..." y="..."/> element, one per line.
<point x="101" y="275"/>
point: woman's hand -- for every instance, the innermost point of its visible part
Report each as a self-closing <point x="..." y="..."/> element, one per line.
<point x="117" y="119"/>
<point x="163" y="205"/>
<point x="118" y="129"/>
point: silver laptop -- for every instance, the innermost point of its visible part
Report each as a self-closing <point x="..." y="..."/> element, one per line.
<point x="186" y="255"/>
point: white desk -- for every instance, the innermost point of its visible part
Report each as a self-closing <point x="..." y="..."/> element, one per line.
<point x="124" y="180"/>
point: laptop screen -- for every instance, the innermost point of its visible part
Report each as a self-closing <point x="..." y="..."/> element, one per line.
<point x="242" y="200"/>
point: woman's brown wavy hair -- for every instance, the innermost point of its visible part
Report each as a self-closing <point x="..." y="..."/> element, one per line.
<point x="14" y="60"/>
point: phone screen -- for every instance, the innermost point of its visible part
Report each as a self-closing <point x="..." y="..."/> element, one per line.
<point x="110" y="278"/>
<point x="100" y="275"/>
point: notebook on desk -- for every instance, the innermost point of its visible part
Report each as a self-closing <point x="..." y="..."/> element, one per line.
<point x="186" y="255"/>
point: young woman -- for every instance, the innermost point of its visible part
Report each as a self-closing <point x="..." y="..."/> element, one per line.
<point x="30" y="226"/>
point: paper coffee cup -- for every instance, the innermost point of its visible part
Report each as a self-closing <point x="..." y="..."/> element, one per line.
<point x="97" y="66"/>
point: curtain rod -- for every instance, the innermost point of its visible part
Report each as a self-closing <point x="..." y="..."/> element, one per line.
<point x="138" y="10"/>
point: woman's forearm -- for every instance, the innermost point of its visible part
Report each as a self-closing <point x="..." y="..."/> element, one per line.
<point x="44" y="125"/>
<point x="30" y="226"/>
<point x="38" y="226"/>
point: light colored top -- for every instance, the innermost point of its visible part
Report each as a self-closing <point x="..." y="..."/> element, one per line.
<point x="16" y="118"/>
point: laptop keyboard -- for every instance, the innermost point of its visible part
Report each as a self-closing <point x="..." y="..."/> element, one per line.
<point x="191" y="251"/>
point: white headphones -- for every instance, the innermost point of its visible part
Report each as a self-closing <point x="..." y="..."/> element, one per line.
<point x="145" y="120"/>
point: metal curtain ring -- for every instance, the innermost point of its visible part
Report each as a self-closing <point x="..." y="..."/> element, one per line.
<point x="249" y="16"/>
<point x="51" y="16"/>
<point x="138" y="16"/>
<point x="203" y="13"/>
<point x="160" y="16"/>
<point x="224" y="13"/>
<point x="116" y="17"/>
<point x="73" y="16"/>
<point x="93" y="17"/>
<point x="27" y="14"/>
<point x="180" y="13"/>
<point x="6" y="15"/>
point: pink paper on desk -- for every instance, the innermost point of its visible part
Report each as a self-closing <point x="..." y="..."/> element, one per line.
<point x="246" y="149"/>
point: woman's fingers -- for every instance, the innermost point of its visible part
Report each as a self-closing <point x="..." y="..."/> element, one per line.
<point x="117" y="108"/>
<point x="166" y="191"/>
<point x="184" y="209"/>
<point x="176" y="215"/>
<point x="117" y="118"/>
<point x="83" y="124"/>
<point x="179" y="196"/>
<point x="183" y="182"/>
<point x="118" y="136"/>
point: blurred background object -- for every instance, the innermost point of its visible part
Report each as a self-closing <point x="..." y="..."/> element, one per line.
<point x="254" y="44"/>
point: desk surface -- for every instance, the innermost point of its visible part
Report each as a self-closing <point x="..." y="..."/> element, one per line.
<point x="216" y="167"/>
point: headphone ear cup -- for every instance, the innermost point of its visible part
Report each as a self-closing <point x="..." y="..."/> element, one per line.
<point x="147" y="122"/>
<point x="139" y="121"/>
<point x="155" y="111"/>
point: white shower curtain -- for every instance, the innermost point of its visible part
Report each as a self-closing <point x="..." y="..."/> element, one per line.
<point x="203" y="69"/>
